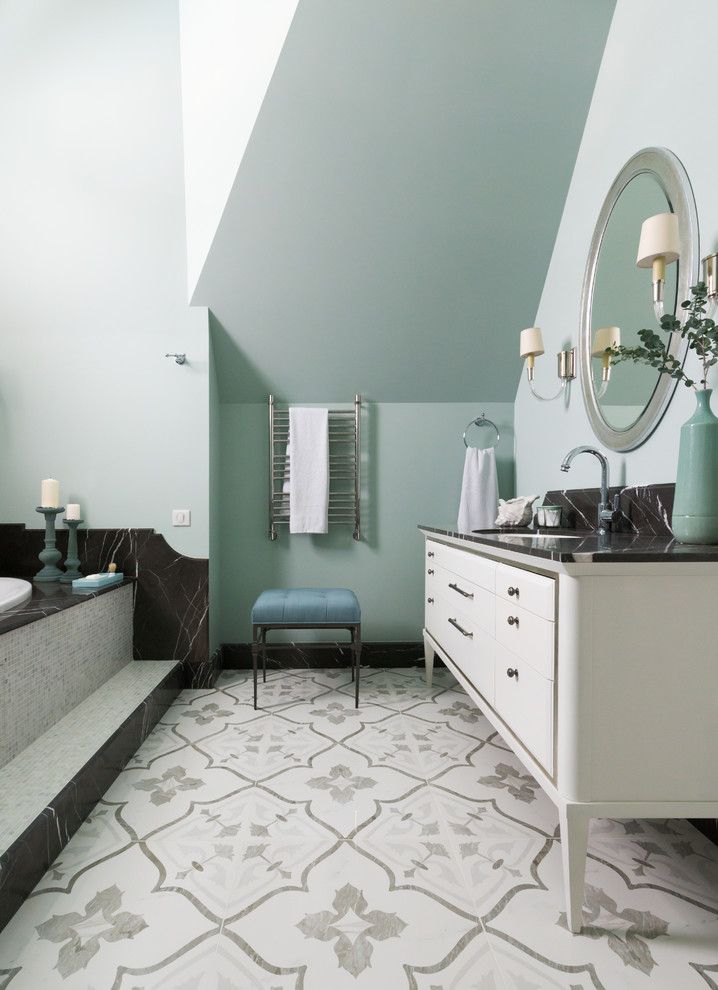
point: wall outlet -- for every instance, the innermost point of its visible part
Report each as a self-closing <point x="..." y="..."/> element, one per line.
<point x="181" y="517"/>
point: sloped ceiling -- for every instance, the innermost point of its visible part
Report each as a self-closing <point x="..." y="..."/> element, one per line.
<point x="393" y="217"/>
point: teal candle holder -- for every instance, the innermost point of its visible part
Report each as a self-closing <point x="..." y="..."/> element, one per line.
<point x="72" y="561"/>
<point x="50" y="555"/>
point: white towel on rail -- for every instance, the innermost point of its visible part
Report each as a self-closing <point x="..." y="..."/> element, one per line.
<point x="308" y="470"/>
<point x="479" y="501"/>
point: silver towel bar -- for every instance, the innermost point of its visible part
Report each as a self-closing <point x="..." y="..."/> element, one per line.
<point x="344" y="467"/>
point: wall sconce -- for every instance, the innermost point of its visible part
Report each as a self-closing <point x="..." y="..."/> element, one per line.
<point x="532" y="346"/>
<point x="603" y="338"/>
<point x="658" y="247"/>
<point x="710" y="277"/>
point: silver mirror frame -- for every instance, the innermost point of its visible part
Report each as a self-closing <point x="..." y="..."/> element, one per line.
<point x="670" y="175"/>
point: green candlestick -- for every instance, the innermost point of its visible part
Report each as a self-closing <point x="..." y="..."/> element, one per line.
<point x="50" y="555"/>
<point x="72" y="561"/>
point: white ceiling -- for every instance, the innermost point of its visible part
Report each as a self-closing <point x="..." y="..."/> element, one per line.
<point x="393" y="217"/>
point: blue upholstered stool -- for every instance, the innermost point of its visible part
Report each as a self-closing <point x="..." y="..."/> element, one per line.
<point x="305" y="608"/>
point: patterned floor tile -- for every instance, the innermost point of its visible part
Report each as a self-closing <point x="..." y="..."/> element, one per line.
<point x="283" y="689"/>
<point x="349" y="927"/>
<point x="305" y="846"/>
<point x="342" y="788"/>
<point x="192" y="969"/>
<point x="399" y="689"/>
<point x="163" y="739"/>
<point x="498" y="855"/>
<point x="263" y="748"/>
<point x="506" y="782"/>
<point x="280" y="846"/>
<point x="409" y="837"/>
<point x="114" y="918"/>
<point x="335" y="716"/>
<point x="474" y="968"/>
<point x="671" y="855"/>
<point x="167" y="790"/>
<point x="389" y="743"/>
<point x="439" y="747"/>
<point x="101" y="836"/>
<point x="629" y="936"/>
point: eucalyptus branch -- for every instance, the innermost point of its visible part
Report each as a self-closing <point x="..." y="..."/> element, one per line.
<point x="699" y="332"/>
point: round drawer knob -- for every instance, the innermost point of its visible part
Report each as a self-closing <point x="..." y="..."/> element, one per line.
<point x="513" y="620"/>
<point x="430" y="571"/>
<point x="513" y="672"/>
<point x="430" y="601"/>
<point x="513" y="591"/>
<point x="430" y="553"/>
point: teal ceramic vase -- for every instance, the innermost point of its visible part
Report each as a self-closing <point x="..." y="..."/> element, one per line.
<point x="695" y="509"/>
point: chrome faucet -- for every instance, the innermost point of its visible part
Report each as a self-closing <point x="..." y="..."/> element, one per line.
<point x="607" y="513"/>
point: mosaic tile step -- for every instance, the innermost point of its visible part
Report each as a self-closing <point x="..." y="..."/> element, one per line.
<point x="35" y="776"/>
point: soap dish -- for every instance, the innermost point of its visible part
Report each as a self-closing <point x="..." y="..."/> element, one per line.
<point x="94" y="581"/>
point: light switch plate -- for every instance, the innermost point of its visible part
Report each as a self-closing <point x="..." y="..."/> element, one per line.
<point x="181" y="517"/>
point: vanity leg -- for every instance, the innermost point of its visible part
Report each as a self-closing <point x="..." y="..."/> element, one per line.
<point x="428" y="660"/>
<point x="574" y="846"/>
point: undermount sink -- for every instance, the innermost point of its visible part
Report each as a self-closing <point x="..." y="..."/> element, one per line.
<point x="510" y="535"/>
<point x="540" y="537"/>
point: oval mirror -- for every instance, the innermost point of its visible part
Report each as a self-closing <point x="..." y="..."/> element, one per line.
<point x="626" y="409"/>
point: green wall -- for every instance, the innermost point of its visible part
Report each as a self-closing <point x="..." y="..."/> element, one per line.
<point x="647" y="94"/>
<point x="413" y="457"/>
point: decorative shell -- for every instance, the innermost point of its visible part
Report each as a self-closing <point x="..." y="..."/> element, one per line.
<point x="516" y="511"/>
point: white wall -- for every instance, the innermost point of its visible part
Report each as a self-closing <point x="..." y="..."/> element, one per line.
<point x="657" y="67"/>
<point x="92" y="254"/>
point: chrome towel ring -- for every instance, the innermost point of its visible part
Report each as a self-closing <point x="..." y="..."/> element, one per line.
<point x="482" y="421"/>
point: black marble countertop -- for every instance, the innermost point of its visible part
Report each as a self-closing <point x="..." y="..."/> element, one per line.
<point x="574" y="546"/>
<point x="48" y="599"/>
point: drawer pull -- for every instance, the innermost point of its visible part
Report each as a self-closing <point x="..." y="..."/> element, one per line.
<point x="430" y="601"/>
<point x="462" y="631"/>
<point x="430" y="571"/>
<point x="430" y="553"/>
<point x="513" y="620"/>
<point x="466" y="594"/>
<point x="513" y="591"/>
<point x="513" y="672"/>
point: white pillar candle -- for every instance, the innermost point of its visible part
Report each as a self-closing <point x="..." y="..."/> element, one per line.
<point x="50" y="498"/>
<point x="73" y="511"/>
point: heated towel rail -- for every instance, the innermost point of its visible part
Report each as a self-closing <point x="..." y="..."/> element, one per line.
<point x="344" y="466"/>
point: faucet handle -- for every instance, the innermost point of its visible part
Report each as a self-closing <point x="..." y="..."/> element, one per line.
<point x="610" y="513"/>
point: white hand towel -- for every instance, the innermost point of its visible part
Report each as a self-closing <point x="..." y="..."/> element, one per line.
<point x="479" y="491"/>
<point x="308" y="470"/>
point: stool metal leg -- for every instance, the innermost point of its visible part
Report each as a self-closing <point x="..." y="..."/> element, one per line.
<point x="255" y="647"/>
<point x="356" y="642"/>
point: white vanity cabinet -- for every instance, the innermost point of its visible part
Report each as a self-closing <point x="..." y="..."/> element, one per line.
<point x="602" y="676"/>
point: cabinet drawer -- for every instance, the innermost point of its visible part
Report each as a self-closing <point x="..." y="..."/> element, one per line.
<point x="531" y="591"/>
<point x="459" y="593"/>
<point x="470" y="647"/>
<point x="524" y="699"/>
<point x="526" y="635"/>
<point x="463" y="563"/>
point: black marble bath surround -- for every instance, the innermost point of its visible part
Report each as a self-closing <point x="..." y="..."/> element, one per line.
<point x="171" y="610"/>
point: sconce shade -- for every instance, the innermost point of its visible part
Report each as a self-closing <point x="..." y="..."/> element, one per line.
<point x="659" y="238"/>
<point x="531" y="342"/>
<point x="605" y="337"/>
